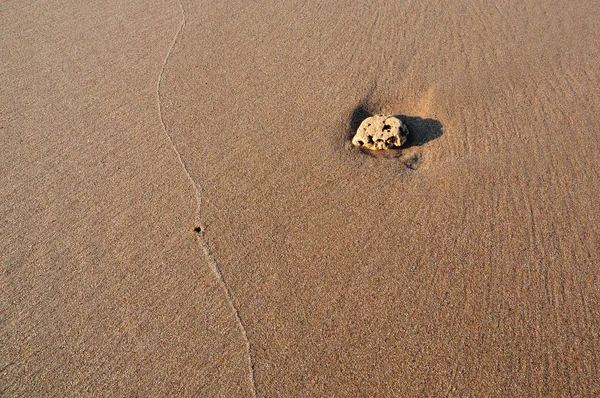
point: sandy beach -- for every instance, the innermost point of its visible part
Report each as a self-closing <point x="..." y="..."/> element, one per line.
<point x="183" y="213"/>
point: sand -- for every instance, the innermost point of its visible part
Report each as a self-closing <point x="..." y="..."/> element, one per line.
<point x="183" y="213"/>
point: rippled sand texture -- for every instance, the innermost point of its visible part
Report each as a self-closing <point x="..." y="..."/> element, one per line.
<point x="316" y="270"/>
<point x="104" y="290"/>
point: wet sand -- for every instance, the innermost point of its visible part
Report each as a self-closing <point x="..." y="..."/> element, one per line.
<point x="183" y="213"/>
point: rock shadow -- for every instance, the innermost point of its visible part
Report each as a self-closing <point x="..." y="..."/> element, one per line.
<point x="420" y="131"/>
<point x="360" y="113"/>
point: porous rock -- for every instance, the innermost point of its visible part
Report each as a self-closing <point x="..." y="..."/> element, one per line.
<point x="380" y="132"/>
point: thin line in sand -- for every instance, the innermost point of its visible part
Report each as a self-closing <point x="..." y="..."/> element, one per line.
<point x="213" y="263"/>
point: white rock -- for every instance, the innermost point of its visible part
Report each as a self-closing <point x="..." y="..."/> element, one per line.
<point x="380" y="132"/>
